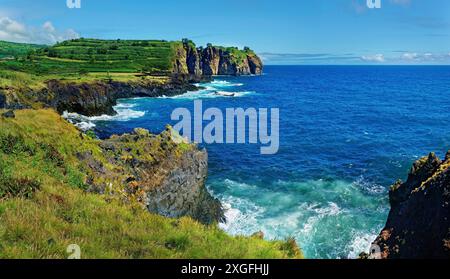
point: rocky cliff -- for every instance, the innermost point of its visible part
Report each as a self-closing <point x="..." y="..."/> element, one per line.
<point x="99" y="97"/>
<point x="418" y="225"/>
<point x="214" y="60"/>
<point x="167" y="177"/>
<point x="91" y="98"/>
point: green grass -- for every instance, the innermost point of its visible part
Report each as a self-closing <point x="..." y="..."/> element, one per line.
<point x="10" y="50"/>
<point x="92" y="55"/>
<point x="26" y="66"/>
<point x="44" y="207"/>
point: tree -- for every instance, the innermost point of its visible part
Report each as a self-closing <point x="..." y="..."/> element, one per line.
<point x="52" y="53"/>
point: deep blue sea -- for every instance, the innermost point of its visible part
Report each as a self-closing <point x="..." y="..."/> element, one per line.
<point x="346" y="134"/>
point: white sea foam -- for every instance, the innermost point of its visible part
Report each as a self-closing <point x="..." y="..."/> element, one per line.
<point x="210" y="91"/>
<point x="360" y="243"/>
<point x="369" y="187"/>
<point x="208" y="94"/>
<point x="303" y="210"/>
<point x="123" y="114"/>
<point x="242" y="216"/>
<point x="123" y="110"/>
<point x="224" y="83"/>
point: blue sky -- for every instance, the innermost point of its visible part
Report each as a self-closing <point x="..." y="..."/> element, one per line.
<point x="281" y="31"/>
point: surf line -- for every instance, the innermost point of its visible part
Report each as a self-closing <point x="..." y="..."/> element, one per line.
<point x="233" y="122"/>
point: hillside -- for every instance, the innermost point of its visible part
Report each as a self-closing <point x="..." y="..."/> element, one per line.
<point x="87" y="76"/>
<point x="10" y="50"/>
<point x="51" y="196"/>
<point x="83" y="56"/>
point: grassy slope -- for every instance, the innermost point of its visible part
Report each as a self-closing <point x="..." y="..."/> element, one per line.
<point x="91" y="55"/>
<point x="43" y="207"/>
<point x="91" y="59"/>
<point x="84" y="60"/>
<point x="10" y="50"/>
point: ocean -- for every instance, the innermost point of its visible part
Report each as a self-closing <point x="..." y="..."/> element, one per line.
<point x="346" y="134"/>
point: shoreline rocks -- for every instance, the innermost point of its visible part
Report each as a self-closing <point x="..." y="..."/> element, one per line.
<point x="418" y="225"/>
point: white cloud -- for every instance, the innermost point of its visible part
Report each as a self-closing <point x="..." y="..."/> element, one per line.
<point x="410" y="56"/>
<point x="12" y="30"/>
<point x="373" y="58"/>
<point x="425" y="57"/>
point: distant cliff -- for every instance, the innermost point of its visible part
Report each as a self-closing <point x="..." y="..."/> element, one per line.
<point x="215" y="60"/>
<point x="418" y="225"/>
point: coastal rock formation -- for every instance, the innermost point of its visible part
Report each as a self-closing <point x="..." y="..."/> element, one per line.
<point x="99" y="97"/>
<point x="183" y="191"/>
<point x="418" y="225"/>
<point x="168" y="178"/>
<point x="214" y="60"/>
<point x="2" y="100"/>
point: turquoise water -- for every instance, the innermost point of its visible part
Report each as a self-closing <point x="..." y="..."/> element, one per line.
<point x="346" y="134"/>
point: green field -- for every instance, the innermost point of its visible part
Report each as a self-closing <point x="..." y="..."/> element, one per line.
<point x="83" y="56"/>
<point x="12" y="50"/>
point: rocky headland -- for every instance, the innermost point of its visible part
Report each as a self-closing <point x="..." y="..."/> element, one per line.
<point x="189" y="65"/>
<point x="215" y="60"/>
<point x="166" y="178"/>
<point x="418" y="225"/>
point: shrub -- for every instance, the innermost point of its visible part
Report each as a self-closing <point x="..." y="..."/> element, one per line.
<point x="17" y="187"/>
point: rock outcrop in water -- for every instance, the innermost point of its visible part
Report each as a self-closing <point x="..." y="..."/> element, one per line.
<point x="214" y="60"/>
<point x="418" y="225"/>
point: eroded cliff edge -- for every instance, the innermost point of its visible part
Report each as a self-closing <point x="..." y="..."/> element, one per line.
<point x="92" y="97"/>
<point x="50" y="177"/>
<point x="215" y="60"/>
<point x="165" y="176"/>
<point x="418" y="225"/>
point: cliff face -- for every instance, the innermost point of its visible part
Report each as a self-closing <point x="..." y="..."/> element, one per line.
<point x="98" y="98"/>
<point x="214" y="60"/>
<point x="168" y="178"/>
<point x="418" y="225"/>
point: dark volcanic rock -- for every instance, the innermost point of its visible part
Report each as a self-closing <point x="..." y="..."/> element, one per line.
<point x="193" y="61"/>
<point x="167" y="177"/>
<point x="9" y="114"/>
<point x="98" y="98"/>
<point x="418" y="225"/>
<point x="255" y="64"/>
<point x="183" y="191"/>
<point x="2" y="100"/>
<point x="211" y="61"/>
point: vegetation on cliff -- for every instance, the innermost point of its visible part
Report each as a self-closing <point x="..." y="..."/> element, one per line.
<point x="85" y="56"/>
<point x="60" y="187"/>
<point x="116" y="68"/>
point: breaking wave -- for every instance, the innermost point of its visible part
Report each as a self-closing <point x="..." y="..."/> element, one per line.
<point x="123" y="113"/>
